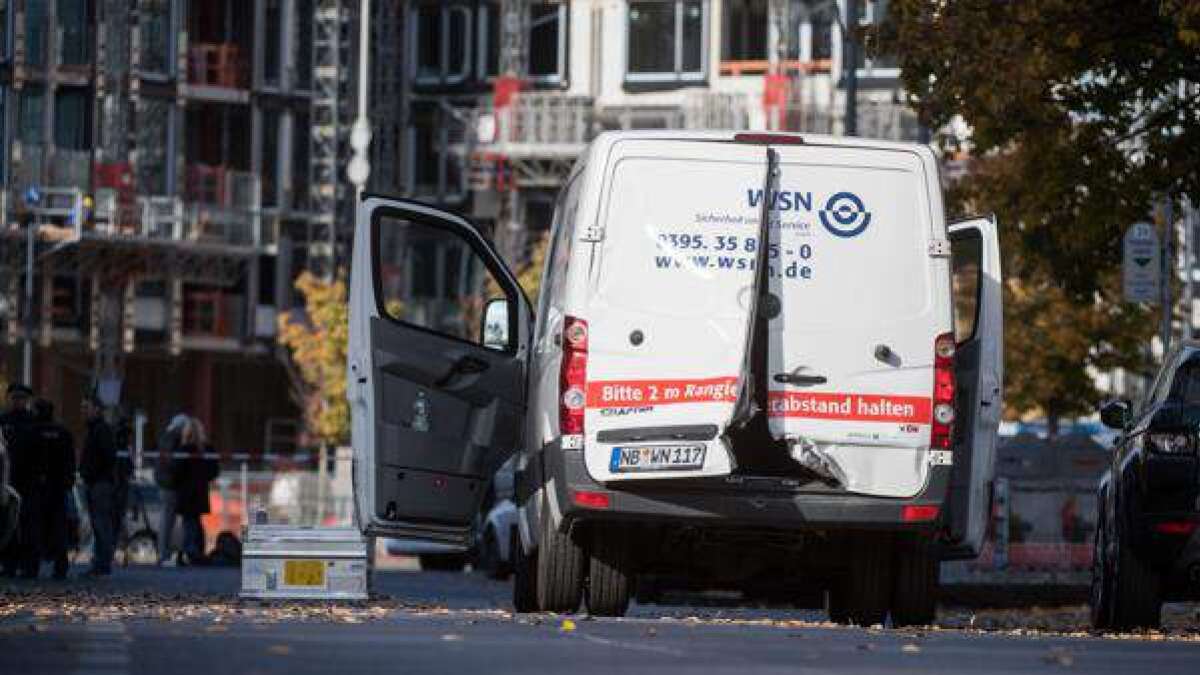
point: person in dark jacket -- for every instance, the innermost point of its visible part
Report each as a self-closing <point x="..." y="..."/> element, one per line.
<point x="57" y="448"/>
<point x="193" y="471"/>
<point x="164" y="477"/>
<point x="24" y="550"/>
<point x="97" y="467"/>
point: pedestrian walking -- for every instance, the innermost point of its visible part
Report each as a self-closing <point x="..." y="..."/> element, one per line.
<point x="98" y="468"/>
<point x="23" y="552"/>
<point x="164" y="477"/>
<point x="123" y="476"/>
<point x="57" y="447"/>
<point x="194" y="472"/>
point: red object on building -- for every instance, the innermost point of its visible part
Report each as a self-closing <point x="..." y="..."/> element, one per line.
<point x="116" y="176"/>
<point x="776" y="89"/>
<point x="505" y="91"/>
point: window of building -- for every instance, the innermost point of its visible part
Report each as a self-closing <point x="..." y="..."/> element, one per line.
<point x="270" y="156"/>
<point x="29" y="123"/>
<point x="74" y="32"/>
<point x="441" y="39"/>
<point x="155" y="35"/>
<point x="272" y="43"/>
<point x="302" y="61"/>
<point x="35" y="32"/>
<point x="547" y="41"/>
<point x="490" y="40"/>
<point x="73" y="118"/>
<point x="744" y="26"/>
<point x="814" y="25"/>
<point x="666" y="40"/>
<point x="872" y="63"/>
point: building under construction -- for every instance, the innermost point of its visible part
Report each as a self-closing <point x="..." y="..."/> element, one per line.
<point x="178" y="163"/>
<point x="483" y="105"/>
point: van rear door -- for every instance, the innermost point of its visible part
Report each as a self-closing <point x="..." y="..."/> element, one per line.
<point x="667" y="306"/>
<point x="851" y="353"/>
<point x="979" y="370"/>
<point x="436" y="375"/>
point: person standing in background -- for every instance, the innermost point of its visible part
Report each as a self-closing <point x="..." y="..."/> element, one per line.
<point x="164" y="476"/>
<point x="97" y="466"/>
<point x="57" y="448"/>
<point x="194" y="472"/>
<point x="23" y="552"/>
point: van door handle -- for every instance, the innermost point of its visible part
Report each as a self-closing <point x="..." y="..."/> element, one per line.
<point x="467" y="365"/>
<point x="800" y="380"/>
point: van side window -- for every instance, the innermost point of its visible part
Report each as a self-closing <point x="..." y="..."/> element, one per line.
<point x="429" y="277"/>
<point x="563" y="233"/>
<point x="1186" y="388"/>
<point x="966" y="265"/>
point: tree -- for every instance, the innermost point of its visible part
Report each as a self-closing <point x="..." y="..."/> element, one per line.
<point x="1077" y="124"/>
<point x="317" y="337"/>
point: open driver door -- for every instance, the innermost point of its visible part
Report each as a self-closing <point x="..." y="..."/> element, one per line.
<point x="439" y="333"/>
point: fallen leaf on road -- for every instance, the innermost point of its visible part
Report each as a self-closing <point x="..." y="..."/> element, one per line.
<point x="567" y="625"/>
<point x="452" y="637"/>
<point x="279" y="650"/>
<point x="911" y="648"/>
<point x="1060" y="656"/>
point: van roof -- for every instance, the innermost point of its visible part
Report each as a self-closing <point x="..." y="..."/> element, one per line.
<point x="610" y="137"/>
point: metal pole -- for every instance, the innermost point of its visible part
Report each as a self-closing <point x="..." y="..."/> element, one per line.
<point x="322" y="478"/>
<point x="850" y="66"/>
<point x="359" y="169"/>
<point x="1189" y="265"/>
<point x="30" y="243"/>
<point x="1167" y="267"/>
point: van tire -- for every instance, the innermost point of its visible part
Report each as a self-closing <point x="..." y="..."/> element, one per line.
<point x="862" y="598"/>
<point x="610" y="578"/>
<point x="525" y="570"/>
<point x="560" y="568"/>
<point x="915" y="585"/>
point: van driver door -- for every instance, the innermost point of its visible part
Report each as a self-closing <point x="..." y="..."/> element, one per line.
<point x="979" y="371"/>
<point x="439" y="333"/>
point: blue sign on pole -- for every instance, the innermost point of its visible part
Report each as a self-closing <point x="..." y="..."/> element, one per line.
<point x="33" y="196"/>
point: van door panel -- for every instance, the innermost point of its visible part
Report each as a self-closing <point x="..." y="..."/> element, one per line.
<point x="851" y="352"/>
<point x="435" y="411"/>
<point x="978" y="359"/>
<point x="668" y="306"/>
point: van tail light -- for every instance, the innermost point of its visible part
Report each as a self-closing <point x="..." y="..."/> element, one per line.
<point x="919" y="513"/>
<point x="1175" y="527"/>
<point x="942" y="428"/>
<point x="572" y="377"/>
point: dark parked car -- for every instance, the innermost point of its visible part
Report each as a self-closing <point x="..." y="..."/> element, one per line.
<point x="1147" y="546"/>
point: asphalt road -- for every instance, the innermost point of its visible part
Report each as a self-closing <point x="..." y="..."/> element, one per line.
<point x="184" y="622"/>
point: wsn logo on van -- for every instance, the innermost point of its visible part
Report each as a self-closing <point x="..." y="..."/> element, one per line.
<point x="844" y="215"/>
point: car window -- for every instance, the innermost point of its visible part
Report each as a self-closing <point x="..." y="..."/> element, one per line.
<point x="1186" y="388"/>
<point x="430" y="277"/>
<point x="966" y="255"/>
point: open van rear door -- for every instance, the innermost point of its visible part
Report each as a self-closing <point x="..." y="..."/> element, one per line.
<point x="979" y="370"/>
<point x="436" y="369"/>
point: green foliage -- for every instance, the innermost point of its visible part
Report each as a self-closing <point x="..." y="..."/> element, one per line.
<point x="317" y="338"/>
<point x="1077" y="124"/>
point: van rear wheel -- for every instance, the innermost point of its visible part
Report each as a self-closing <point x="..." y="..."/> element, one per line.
<point x="560" y="567"/>
<point x="610" y="578"/>
<point x="914" y="596"/>
<point x="862" y="598"/>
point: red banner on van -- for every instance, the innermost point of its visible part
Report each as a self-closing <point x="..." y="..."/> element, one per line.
<point x="850" y="407"/>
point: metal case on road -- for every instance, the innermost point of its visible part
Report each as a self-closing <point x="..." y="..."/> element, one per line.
<point x="306" y="563"/>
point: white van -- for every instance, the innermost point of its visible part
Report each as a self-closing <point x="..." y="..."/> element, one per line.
<point x="755" y="357"/>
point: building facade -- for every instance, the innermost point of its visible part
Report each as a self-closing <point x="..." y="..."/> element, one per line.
<point x="165" y="153"/>
<point x="483" y="105"/>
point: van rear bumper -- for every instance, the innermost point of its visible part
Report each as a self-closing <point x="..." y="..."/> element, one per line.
<point x="752" y="502"/>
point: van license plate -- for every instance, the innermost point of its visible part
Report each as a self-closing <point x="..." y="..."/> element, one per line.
<point x="656" y="458"/>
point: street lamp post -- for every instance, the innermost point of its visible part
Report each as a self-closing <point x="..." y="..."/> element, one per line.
<point x="359" y="169"/>
<point x="30" y="244"/>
